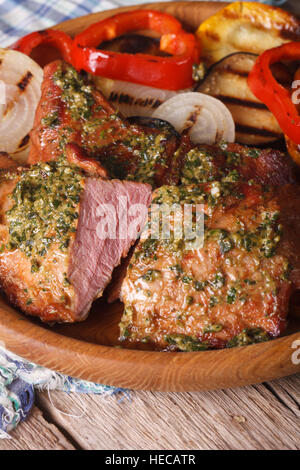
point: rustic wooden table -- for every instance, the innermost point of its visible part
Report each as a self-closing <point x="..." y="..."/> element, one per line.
<point x="265" y="416"/>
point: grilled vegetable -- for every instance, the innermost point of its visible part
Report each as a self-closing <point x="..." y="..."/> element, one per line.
<point x="21" y="80"/>
<point x="278" y="99"/>
<point x="204" y="118"/>
<point x="246" y="26"/>
<point x="171" y="73"/>
<point x="132" y="99"/>
<point x="133" y="44"/>
<point x="58" y="39"/>
<point x="292" y="147"/>
<point x="227" y="81"/>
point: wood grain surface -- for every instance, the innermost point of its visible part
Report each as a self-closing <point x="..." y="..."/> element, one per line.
<point x="261" y="417"/>
<point x="37" y="434"/>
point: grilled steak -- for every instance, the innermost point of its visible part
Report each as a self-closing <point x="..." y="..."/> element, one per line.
<point x="235" y="290"/>
<point x="56" y="256"/>
<point x="232" y="291"/>
<point x="229" y="163"/>
<point x="72" y="111"/>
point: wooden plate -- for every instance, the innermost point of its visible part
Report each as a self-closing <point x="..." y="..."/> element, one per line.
<point x="89" y="350"/>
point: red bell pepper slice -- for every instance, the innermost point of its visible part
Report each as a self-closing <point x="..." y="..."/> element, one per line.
<point x="58" y="39"/>
<point x="172" y="73"/>
<point x="266" y="88"/>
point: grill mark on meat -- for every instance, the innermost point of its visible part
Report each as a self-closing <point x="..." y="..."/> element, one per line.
<point x="24" y="82"/>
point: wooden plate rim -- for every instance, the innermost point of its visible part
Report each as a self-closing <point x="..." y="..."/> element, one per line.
<point x="160" y="371"/>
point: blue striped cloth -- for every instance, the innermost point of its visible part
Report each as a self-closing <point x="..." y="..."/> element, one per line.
<point x="19" y="378"/>
<point x="20" y="17"/>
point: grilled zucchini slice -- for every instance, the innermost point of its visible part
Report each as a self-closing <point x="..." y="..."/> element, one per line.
<point x="227" y="81"/>
<point x="246" y="27"/>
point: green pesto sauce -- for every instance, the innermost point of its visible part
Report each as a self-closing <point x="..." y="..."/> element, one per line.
<point x="126" y="323"/>
<point x="231" y="177"/>
<point x="150" y="150"/>
<point x="186" y="343"/>
<point x="217" y="282"/>
<point x="195" y="194"/>
<point x="92" y="125"/>
<point x="46" y="209"/>
<point x="198" y="166"/>
<point x="249" y="336"/>
<point x="146" y="250"/>
<point x="213" y="328"/>
<point x="253" y="152"/>
<point x="51" y="120"/>
<point x="231" y="295"/>
<point x="198" y="71"/>
<point x="266" y="237"/>
<point x="233" y="158"/>
<point x="213" y="301"/>
<point x="75" y="93"/>
<point x="170" y="195"/>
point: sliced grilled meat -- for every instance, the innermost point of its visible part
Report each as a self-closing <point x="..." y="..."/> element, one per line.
<point x="72" y="111"/>
<point x="231" y="163"/>
<point x="56" y="256"/>
<point x="232" y="291"/>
